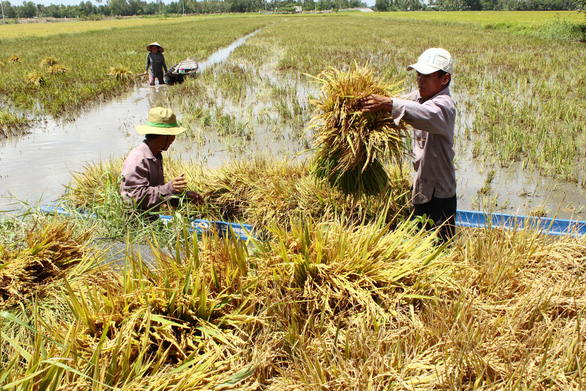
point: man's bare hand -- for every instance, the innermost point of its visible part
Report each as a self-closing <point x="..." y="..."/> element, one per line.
<point x="375" y="102"/>
<point x="179" y="184"/>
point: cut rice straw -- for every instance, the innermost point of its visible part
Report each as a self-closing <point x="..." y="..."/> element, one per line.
<point x="352" y="147"/>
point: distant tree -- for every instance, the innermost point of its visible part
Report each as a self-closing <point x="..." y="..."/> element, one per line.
<point x="473" y="5"/>
<point x="28" y="10"/>
<point x="323" y="5"/>
<point x="382" y="5"/>
<point x="118" y="7"/>
<point x="9" y="10"/>
<point x="309" y="5"/>
<point x="87" y="8"/>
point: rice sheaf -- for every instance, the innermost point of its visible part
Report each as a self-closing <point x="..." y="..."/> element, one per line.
<point x="352" y="147"/>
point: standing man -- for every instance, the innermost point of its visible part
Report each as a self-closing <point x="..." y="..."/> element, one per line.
<point x="143" y="183"/>
<point x="156" y="63"/>
<point x="432" y="113"/>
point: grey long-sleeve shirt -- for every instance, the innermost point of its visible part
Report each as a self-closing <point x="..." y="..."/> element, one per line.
<point x="433" y="124"/>
<point x="143" y="182"/>
<point x="156" y="61"/>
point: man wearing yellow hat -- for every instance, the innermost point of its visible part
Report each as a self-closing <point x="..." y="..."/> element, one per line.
<point x="143" y="183"/>
<point x="431" y="112"/>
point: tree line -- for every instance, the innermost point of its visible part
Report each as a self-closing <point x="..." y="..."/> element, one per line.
<point x="88" y="10"/>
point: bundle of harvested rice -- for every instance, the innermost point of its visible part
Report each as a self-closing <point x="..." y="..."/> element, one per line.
<point x="56" y="69"/>
<point x="15" y="58"/>
<point x="353" y="147"/>
<point x="48" y="62"/>
<point x="51" y="247"/>
<point x="121" y="73"/>
<point x="35" y="79"/>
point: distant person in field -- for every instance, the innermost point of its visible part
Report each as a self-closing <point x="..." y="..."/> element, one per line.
<point x="431" y="112"/>
<point x="156" y="63"/>
<point x="143" y="184"/>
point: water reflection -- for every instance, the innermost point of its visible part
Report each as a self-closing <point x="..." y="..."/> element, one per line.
<point x="36" y="166"/>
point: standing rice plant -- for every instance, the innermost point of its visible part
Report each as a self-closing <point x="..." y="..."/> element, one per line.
<point x="11" y="124"/>
<point x="352" y="147"/>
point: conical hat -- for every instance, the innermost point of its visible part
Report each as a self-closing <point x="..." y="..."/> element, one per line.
<point x="161" y="50"/>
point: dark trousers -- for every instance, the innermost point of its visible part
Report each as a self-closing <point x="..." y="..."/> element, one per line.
<point x="442" y="212"/>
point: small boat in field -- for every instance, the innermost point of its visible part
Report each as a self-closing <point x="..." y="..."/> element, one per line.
<point x="178" y="72"/>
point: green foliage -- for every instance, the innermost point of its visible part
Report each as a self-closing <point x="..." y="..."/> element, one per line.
<point x="12" y="124"/>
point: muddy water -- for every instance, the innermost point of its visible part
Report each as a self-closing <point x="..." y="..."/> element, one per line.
<point x="36" y="167"/>
<point x="223" y="54"/>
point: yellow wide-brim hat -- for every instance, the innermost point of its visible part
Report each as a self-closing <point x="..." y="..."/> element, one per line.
<point x="161" y="121"/>
<point x="150" y="45"/>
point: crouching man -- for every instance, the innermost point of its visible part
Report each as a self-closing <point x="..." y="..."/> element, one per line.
<point x="143" y="184"/>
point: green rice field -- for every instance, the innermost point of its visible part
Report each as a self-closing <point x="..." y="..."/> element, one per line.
<point x="337" y="291"/>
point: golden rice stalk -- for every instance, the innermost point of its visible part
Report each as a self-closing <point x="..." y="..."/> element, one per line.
<point x="35" y="79"/>
<point x="90" y="186"/>
<point x="51" y="247"/>
<point x="56" y="69"/>
<point x="352" y="147"/>
<point x="49" y="61"/>
<point x="121" y="73"/>
<point x="15" y="58"/>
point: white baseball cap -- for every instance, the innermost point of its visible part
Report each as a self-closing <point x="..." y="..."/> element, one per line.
<point x="433" y="60"/>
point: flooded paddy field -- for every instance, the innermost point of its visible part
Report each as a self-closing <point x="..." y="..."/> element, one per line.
<point x="334" y="296"/>
<point x="252" y="97"/>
